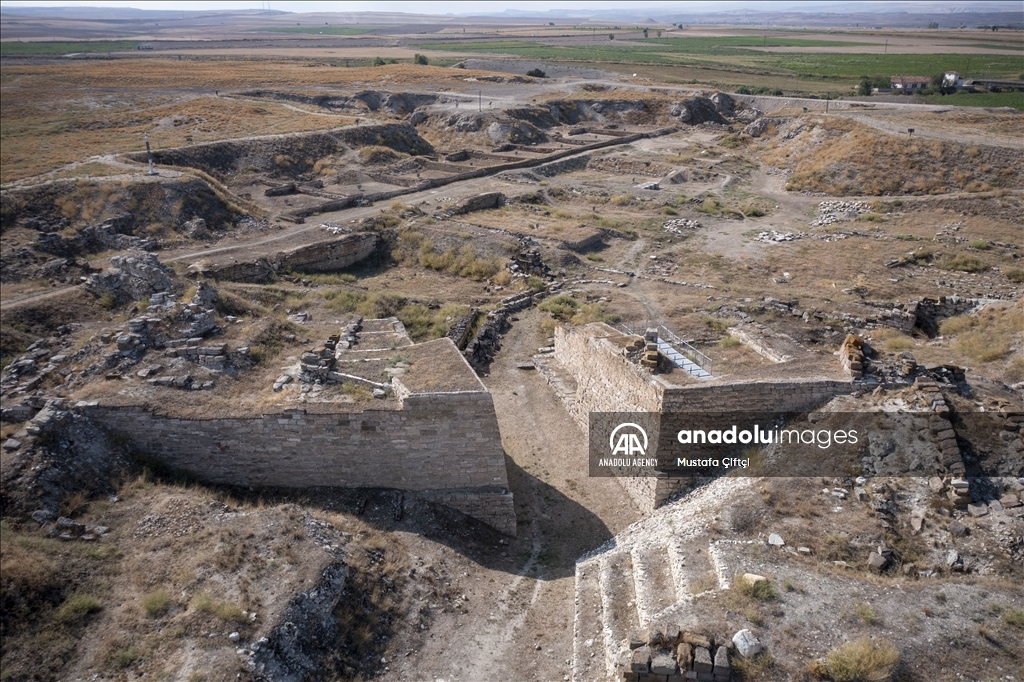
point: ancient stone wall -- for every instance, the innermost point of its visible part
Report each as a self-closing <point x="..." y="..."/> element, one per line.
<point x="325" y="256"/>
<point x="329" y="256"/>
<point x="444" y="445"/>
<point x="606" y="381"/>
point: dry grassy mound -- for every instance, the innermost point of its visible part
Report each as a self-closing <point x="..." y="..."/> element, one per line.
<point x="845" y="158"/>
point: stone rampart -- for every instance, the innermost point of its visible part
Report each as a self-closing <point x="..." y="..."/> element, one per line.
<point x="328" y="256"/>
<point x="445" y="446"/>
<point x="607" y="381"/>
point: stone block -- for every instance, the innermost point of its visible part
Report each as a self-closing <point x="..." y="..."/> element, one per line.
<point x="722" y="665"/>
<point x="663" y="662"/>
<point x="702" y="660"/>
<point x="641" y="662"/>
<point x="746" y="644"/>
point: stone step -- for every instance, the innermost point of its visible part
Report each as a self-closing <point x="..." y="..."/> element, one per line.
<point x="618" y="602"/>
<point x="561" y="381"/>
<point x="653" y="582"/>
<point x="588" y="658"/>
<point x="692" y="571"/>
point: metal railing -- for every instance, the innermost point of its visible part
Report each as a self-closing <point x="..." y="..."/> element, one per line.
<point x="639" y="327"/>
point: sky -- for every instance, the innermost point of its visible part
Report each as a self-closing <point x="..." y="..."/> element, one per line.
<point x="463" y="6"/>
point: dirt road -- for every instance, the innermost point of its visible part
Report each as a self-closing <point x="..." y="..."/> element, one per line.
<point x="519" y="614"/>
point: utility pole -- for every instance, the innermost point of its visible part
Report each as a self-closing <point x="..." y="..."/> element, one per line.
<point x="481" y="100"/>
<point x="886" y="50"/>
<point x="149" y="155"/>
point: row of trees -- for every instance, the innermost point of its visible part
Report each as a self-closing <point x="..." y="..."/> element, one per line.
<point x="416" y="59"/>
<point x="868" y="83"/>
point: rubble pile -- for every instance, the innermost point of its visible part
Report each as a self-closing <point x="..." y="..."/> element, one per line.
<point x="131" y="278"/>
<point x="836" y="211"/>
<point x="773" y="236"/>
<point x="677" y="226"/>
<point x="667" y="652"/>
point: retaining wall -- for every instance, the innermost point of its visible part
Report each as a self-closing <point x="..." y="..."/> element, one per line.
<point x="606" y="381"/>
<point x="443" y="445"/>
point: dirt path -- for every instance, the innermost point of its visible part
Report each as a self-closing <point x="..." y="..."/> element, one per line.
<point x="519" y="620"/>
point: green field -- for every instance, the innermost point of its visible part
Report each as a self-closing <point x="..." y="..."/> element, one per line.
<point x="12" y="48"/>
<point x="326" y="30"/>
<point x="739" y="55"/>
<point x="980" y="99"/>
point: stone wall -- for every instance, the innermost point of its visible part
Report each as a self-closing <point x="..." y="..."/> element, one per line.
<point x="325" y="256"/>
<point x="328" y="256"/>
<point x="443" y="445"/>
<point x="606" y="381"/>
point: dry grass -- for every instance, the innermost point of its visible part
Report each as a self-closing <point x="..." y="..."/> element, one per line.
<point x="841" y="157"/>
<point x="862" y="661"/>
<point x="754" y="668"/>
<point x="988" y="335"/>
<point x="45" y="127"/>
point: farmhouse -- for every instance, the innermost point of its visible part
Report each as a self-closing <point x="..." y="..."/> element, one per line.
<point x="909" y="83"/>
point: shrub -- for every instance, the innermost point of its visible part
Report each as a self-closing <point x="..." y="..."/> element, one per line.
<point x="866" y="613"/>
<point x="1014" y="617"/>
<point x="420" y="59"/>
<point x="761" y="590"/>
<point x="980" y="244"/>
<point x="984" y="346"/>
<point x="962" y="262"/>
<point x="862" y="661"/>
<point x="377" y="61"/>
<point x="1015" y="275"/>
<point x="155" y="602"/>
<point x="668" y="210"/>
<point x="204" y="603"/>
<point x="378" y="154"/>
<point x="711" y="206"/>
<point x="78" y="606"/>
<point x="536" y="73"/>
<point x="108" y="301"/>
<point x="284" y="161"/>
<point x="753" y="668"/>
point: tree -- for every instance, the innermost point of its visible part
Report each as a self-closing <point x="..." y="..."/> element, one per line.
<point x="936" y="81"/>
<point x="658" y="33"/>
<point x="645" y="33"/>
<point x="864" y="87"/>
<point x="420" y="59"/>
<point x="934" y="24"/>
<point x="377" y="61"/>
<point x="611" y="36"/>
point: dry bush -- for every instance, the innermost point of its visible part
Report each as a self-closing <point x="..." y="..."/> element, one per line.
<point x="226" y="611"/>
<point x="1014" y="617"/>
<point x="376" y="154"/>
<point x="753" y="668"/>
<point x="761" y="590"/>
<point x="963" y="262"/>
<point x="862" y="661"/>
<point x="156" y="602"/>
<point x="78" y="606"/>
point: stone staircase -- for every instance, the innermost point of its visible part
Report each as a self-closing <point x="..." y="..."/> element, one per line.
<point x="647" y="575"/>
